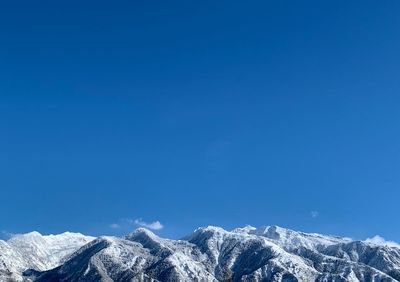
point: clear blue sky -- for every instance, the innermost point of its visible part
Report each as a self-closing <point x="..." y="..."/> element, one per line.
<point x="200" y="113"/>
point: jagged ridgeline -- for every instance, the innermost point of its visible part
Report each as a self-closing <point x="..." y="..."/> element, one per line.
<point x="209" y="254"/>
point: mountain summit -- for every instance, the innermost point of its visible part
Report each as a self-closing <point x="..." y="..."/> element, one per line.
<point x="211" y="253"/>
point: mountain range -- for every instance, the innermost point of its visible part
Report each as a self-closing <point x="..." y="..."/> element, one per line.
<point x="210" y="253"/>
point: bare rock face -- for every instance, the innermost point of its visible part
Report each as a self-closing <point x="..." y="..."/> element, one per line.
<point x="208" y="254"/>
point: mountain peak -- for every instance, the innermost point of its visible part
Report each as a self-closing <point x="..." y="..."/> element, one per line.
<point x="145" y="237"/>
<point x="31" y="234"/>
<point x="141" y="231"/>
<point x="210" y="228"/>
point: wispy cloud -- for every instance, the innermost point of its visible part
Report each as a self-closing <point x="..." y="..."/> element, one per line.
<point x="5" y="234"/>
<point x="156" y="225"/>
<point x="314" y="214"/>
<point x="128" y="223"/>
<point x="378" y="240"/>
<point x="115" y="226"/>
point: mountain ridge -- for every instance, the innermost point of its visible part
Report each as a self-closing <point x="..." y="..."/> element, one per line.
<point x="269" y="253"/>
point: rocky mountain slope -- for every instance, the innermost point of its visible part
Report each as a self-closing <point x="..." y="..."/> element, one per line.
<point x="208" y="254"/>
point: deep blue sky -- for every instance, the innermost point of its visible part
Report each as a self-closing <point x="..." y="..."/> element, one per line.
<point x="200" y="113"/>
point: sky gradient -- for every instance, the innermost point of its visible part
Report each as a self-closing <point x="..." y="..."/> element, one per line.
<point x="200" y="113"/>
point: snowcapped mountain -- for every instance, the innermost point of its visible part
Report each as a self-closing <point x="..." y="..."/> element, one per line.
<point x="35" y="251"/>
<point x="208" y="254"/>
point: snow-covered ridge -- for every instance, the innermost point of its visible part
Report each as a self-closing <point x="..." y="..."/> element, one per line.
<point x="37" y="251"/>
<point x="290" y="239"/>
<point x="210" y="253"/>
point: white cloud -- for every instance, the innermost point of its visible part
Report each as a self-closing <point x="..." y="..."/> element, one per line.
<point x="115" y="226"/>
<point x="314" y="214"/>
<point x="156" y="225"/>
<point x="127" y="223"/>
<point x="378" y="240"/>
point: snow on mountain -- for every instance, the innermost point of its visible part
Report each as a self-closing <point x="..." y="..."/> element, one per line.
<point x="36" y="251"/>
<point x="208" y="254"/>
<point x="380" y="241"/>
<point x="290" y="239"/>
